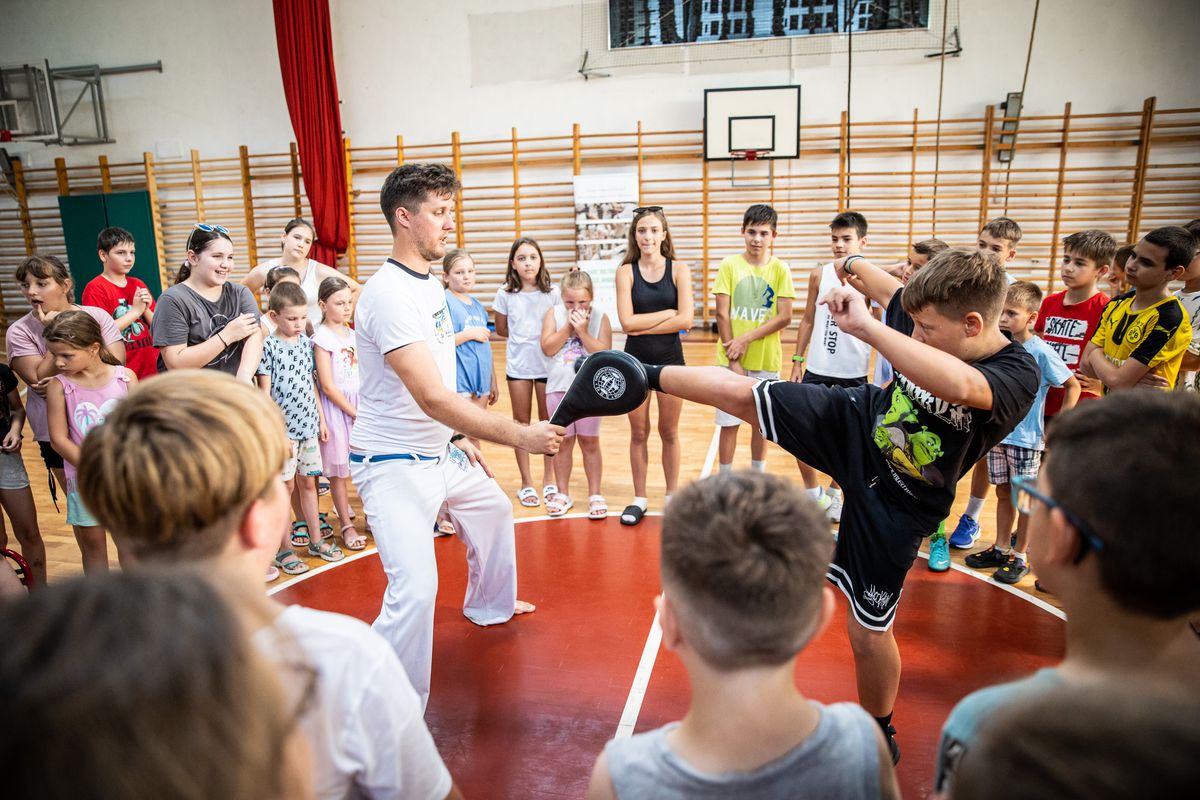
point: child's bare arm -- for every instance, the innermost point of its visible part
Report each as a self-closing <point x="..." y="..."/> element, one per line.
<point x="874" y="282"/>
<point x="600" y="787"/>
<point x="56" y="418"/>
<point x="264" y="382"/>
<point x="938" y="372"/>
<point x="1073" y="389"/>
<point x="602" y="341"/>
<point x="16" y="423"/>
<point x="804" y="332"/>
<point x="325" y="382"/>
<point x="554" y="337"/>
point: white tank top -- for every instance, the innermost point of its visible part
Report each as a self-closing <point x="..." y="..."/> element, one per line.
<point x="310" y="284"/>
<point x="831" y="352"/>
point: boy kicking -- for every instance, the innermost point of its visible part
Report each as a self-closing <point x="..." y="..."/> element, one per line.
<point x="898" y="452"/>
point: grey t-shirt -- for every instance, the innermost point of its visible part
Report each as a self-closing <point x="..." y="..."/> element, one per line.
<point x="839" y="760"/>
<point x="182" y="316"/>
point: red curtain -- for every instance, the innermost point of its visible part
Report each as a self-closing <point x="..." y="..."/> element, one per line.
<point x="305" y="39"/>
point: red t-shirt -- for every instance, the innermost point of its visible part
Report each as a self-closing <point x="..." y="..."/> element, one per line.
<point x="1068" y="329"/>
<point x="140" y="355"/>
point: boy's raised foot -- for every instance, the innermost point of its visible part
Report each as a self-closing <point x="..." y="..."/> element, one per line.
<point x="939" y="551"/>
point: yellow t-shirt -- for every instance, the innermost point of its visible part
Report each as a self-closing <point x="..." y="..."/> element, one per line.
<point x="753" y="295"/>
<point x="1157" y="336"/>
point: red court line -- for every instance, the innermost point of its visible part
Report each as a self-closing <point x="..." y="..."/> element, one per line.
<point x="522" y="710"/>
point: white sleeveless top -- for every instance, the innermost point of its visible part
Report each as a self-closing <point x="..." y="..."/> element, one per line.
<point x="309" y="282"/>
<point x="831" y="352"/>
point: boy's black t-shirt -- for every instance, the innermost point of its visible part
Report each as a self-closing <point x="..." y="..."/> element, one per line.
<point x="926" y="444"/>
<point x="8" y="382"/>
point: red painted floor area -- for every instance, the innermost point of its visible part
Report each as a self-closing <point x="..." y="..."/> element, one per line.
<point x="522" y="710"/>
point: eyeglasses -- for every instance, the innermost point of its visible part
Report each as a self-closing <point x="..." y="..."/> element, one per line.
<point x="1024" y="492"/>
<point x="201" y="226"/>
<point x="646" y="210"/>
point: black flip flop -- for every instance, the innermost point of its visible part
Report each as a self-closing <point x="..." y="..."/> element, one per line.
<point x="633" y="512"/>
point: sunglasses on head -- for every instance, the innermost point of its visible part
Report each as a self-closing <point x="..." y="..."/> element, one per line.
<point x="202" y="226"/>
<point x="646" y="210"/>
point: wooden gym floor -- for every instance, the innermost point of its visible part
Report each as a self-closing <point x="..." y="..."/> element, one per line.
<point x="521" y="710"/>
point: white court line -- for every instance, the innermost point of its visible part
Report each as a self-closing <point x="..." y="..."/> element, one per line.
<point x="641" y="678"/>
<point x="979" y="576"/>
<point x="370" y="551"/>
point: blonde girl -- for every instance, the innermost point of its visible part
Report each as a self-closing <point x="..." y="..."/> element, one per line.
<point x="89" y="385"/>
<point x="572" y="331"/>
<point x="520" y="306"/>
<point x="654" y="303"/>
<point x="335" y="352"/>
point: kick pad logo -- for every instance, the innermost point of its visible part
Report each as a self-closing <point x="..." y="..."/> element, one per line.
<point x="609" y="383"/>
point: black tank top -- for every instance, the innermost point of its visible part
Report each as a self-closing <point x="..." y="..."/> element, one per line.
<point x="646" y="298"/>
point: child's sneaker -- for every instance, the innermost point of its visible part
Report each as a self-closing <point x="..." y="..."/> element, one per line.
<point x="965" y="533"/>
<point x="939" y="551"/>
<point x="986" y="559"/>
<point x="1013" y="570"/>
<point x="824" y="501"/>
<point x="834" y="512"/>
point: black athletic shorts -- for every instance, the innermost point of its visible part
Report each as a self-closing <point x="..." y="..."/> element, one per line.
<point x="50" y="456"/>
<point x="661" y="349"/>
<point x="508" y="377"/>
<point x="826" y="380"/>
<point x="830" y="429"/>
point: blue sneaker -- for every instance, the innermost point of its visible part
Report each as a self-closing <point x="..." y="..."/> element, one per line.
<point x="939" y="552"/>
<point x="965" y="533"/>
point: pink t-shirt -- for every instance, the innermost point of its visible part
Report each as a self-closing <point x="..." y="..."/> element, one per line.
<point x="87" y="408"/>
<point x="24" y="338"/>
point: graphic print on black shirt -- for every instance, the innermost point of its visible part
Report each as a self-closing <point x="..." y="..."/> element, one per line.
<point x="927" y="443"/>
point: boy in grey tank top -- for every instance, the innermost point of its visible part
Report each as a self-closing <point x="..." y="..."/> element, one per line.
<point x="744" y="556"/>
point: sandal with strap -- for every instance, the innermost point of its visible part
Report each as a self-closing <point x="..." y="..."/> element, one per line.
<point x="326" y="528"/>
<point x="444" y="527"/>
<point x="326" y="549"/>
<point x="355" y="541"/>
<point x="289" y="563"/>
<point x="300" y="539"/>
<point x="559" y="504"/>
<point x="528" y="496"/>
<point x="272" y="574"/>
<point x="548" y="491"/>
<point x="632" y="514"/>
<point x="597" y="507"/>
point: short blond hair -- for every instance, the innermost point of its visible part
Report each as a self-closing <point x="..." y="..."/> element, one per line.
<point x="176" y="464"/>
<point x="1003" y="228"/>
<point x="577" y="280"/>
<point x="956" y="282"/>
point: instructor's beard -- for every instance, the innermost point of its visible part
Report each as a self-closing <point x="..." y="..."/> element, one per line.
<point x="434" y="252"/>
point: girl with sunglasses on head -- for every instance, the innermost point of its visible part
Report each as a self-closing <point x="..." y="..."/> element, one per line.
<point x="204" y="321"/>
<point x="295" y="243"/>
<point x="654" y="303"/>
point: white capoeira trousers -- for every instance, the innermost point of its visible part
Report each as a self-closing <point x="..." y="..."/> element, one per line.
<point x="401" y="500"/>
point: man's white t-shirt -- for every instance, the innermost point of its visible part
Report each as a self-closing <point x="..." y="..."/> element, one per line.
<point x="364" y="723"/>
<point x="399" y="307"/>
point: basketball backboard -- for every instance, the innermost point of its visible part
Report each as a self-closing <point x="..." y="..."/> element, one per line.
<point x="761" y="119"/>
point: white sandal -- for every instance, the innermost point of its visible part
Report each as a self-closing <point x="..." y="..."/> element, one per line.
<point x="528" y="496"/>
<point x="548" y="491"/>
<point x="597" y="507"/>
<point x="559" y="504"/>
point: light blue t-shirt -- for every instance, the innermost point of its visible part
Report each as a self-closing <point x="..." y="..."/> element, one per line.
<point x="840" y="759"/>
<point x="1029" y="431"/>
<point x="473" y="359"/>
<point x="974" y="710"/>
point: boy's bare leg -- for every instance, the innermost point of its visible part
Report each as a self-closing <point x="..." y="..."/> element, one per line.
<point x="306" y="487"/>
<point x="727" y="444"/>
<point x="979" y="478"/>
<point x="713" y="386"/>
<point x="758" y="445"/>
<point x="876" y="667"/>
<point x="1004" y="514"/>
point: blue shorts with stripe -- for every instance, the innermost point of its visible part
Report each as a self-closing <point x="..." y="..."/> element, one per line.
<point x="829" y="428"/>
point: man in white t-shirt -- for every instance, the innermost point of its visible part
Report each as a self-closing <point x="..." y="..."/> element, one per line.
<point x="218" y="448"/>
<point x="403" y="458"/>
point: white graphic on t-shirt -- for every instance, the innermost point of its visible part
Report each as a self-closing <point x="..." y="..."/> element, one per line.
<point x="1066" y="328"/>
<point x="88" y="415"/>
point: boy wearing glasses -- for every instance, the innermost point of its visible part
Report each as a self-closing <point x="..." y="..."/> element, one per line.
<point x="1124" y="570"/>
<point x="1020" y="454"/>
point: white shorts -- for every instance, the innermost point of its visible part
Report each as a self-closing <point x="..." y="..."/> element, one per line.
<point x="305" y="459"/>
<point x="729" y="420"/>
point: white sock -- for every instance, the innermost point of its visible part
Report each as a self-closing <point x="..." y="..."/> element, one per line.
<point x="724" y="468"/>
<point x="974" y="506"/>
<point x="641" y="502"/>
<point x="760" y="466"/>
<point x="815" y="494"/>
<point x="666" y="499"/>
<point x="833" y="491"/>
<point x="1019" y="556"/>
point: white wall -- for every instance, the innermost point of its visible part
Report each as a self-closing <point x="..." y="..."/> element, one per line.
<point x="424" y="69"/>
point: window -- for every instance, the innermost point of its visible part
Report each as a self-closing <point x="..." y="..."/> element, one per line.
<point x="737" y="26"/>
<point x="737" y="6"/>
<point x="794" y="24"/>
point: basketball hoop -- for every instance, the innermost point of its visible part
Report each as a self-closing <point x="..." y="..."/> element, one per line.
<point x="755" y="181"/>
